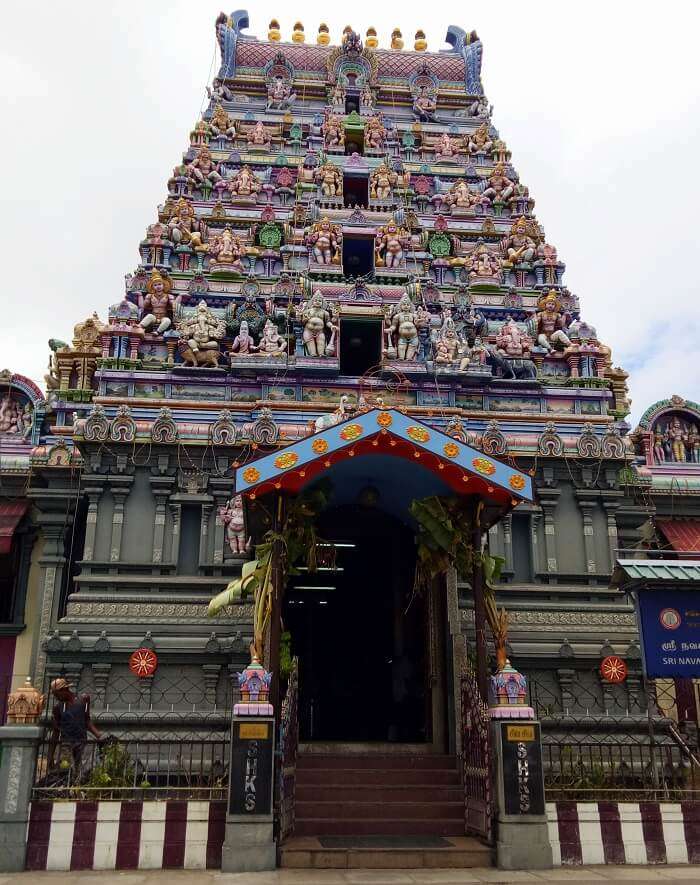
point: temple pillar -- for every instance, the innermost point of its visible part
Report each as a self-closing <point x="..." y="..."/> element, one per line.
<point x="586" y="507"/>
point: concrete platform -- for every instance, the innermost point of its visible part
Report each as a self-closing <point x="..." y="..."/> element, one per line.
<point x="384" y="853"/>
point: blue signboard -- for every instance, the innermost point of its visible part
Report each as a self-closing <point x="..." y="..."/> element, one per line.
<point x="669" y="623"/>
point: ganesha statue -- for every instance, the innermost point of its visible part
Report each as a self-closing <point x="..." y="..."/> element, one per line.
<point x="512" y="341"/>
<point x="258" y="136"/>
<point x="279" y="94"/>
<point x="482" y="265"/>
<point x="461" y="199"/>
<point x="202" y="332"/>
<point x="271" y="342"/>
<point x="244" y="183"/>
<point x="227" y="251"/>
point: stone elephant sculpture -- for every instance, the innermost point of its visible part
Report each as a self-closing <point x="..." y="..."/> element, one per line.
<point x="520" y="369"/>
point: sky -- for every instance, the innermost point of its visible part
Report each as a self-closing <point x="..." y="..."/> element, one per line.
<point x="598" y="101"/>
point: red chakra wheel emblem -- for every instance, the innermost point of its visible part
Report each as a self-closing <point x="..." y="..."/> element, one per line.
<point x="143" y="662"/>
<point x="613" y="669"/>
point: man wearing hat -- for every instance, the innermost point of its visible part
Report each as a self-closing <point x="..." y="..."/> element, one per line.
<point x="71" y="723"/>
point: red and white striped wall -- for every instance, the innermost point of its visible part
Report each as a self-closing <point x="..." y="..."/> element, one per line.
<point x="125" y="835"/>
<point x="624" y="832"/>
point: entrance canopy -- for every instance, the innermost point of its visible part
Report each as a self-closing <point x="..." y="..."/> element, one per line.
<point x="387" y="432"/>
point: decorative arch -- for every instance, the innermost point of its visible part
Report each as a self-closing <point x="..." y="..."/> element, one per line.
<point x="22" y="408"/>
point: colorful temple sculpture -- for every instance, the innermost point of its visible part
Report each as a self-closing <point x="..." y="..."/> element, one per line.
<point x="344" y="230"/>
<point x="346" y="282"/>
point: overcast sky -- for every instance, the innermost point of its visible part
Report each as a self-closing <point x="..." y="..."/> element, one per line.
<point x="598" y="101"/>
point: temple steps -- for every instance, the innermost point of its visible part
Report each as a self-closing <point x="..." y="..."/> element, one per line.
<point x="380" y="810"/>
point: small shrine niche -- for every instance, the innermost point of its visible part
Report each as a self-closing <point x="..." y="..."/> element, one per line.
<point x="22" y="409"/>
<point x="675" y="438"/>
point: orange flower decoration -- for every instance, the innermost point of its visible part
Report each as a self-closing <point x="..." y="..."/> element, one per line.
<point x="251" y="475"/>
<point x="320" y="446"/>
<point x="287" y="460"/>
<point x="418" y="434"/>
<point x="352" y="431"/>
<point x="451" y="450"/>
<point x="483" y="465"/>
<point x="384" y="419"/>
<point x="516" y="482"/>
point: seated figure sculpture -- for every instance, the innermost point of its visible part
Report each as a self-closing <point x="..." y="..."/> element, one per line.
<point x="203" y="168"/>
<point x="185" y="229"/>
<point x="500" y="188"/>
<point x="202" y="331"/>
<point x="375" y="133"/>
<point x="271" y="342"/>
<point x="333" y="132"/>
<point x="445" y="147"/>
<point x="462" y="197"/>
<point x="382" y="182"/>
<point x="482" y="264"/>
<point x="244" y="183"/>
<point x="244" y="343"/>
<point x="227" y="250"/>
<point x="519" y="246"/>
<point x="424" y="106"/>
<point x="158" y="305"/>
<point x="221" y="125"/>
<point x="549" y="323"/>
<point x="279" y="94"/>
<point x="512" y="341"/>
<point x="479" y="141"/>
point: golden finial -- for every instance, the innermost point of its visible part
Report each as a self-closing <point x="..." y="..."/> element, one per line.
<point x="273" y="31"/>
<point x="421" y="43"/>
<point x="323" y="38"/>
<point x="371" y="41"/>
<point x="396" y="39"/>
<point x="298" y="33"/>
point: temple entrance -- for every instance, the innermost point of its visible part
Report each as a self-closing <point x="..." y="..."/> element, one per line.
<point x="361" y="646"/>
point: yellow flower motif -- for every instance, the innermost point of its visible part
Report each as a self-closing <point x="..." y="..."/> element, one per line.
<point x="418" y="434"/>
<point x="384" y="419"/>
<point x="320" y="446"/>
<point x="483" y="465"/>
<point x="516" y="482"/>
<point x="451" y="450"/>
<point x="287" y="460"/>
<point x="251" y="475"/>
<point x="352" y="431"/>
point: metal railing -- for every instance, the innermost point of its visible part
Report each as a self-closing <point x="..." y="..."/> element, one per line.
<point x="133" y="769"/>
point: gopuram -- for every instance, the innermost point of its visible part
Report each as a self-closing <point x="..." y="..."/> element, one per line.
<point x="346" y="328"/>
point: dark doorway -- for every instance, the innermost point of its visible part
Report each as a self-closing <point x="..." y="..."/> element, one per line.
<point x="360" y="345"/>
<point x="355" y="190"/>
<point x="361" y="647"/>
<point x="352" y="103"/>
<point x="358" y="255"/>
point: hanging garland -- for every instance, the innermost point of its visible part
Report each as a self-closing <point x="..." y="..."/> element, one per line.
<point x="444" y="541"/>
<point x="298" y="542"/>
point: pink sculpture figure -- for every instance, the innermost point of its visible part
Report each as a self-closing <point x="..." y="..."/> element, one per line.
<point x="233" y="518"/>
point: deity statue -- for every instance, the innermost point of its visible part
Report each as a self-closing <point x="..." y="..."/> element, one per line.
<point x="279" y="94"/>
<point x="659" y="448"/>
<point x="693" y="443"/>
<point x="447" y="345"/>
<point x="227" y="250"/>
<point x="500" y="188"/>
<point x="325" y="240"/>
<point x="549" y="323"/>
<point x="333" y="132"/>
<point x="512" y="341"/>
<point x="203" y="331"/>
<point x="244" y="183"/>
<point x="258" y="136"/>
<point x="424" y="106"/>
<point x="482" y="263"/>
<point x="547" y="255"/>
<point x="461" y="196"/>
<point x="221" y="125"/>
<point x="271" y="342"/>
<point x="232" y="516"/>
<point x="366" y="98"/>
<point x="338" y="95"/>
<point x="382" y="182"/>
<point x="444" y="146"/>
<point x="479" y="107"/>
<point x="403" y="323"/>
<point x="390" y="242"/>
<point x="375" y="133"/>
<point x="519" y="246"/>
<point x="10" y="416"/>
<point x="677" y="437"/>
<point x="203" y="168"/>
<point x="185" y="229"/>
<point x="158" y="305"/>
<point x="318" y="323"/>
<point x="479" y="141"/>
<point x="476" y="353"/>
<point x="330" y="178"/>
<point x="219" y="91"/>
<point x="244" y="343"/>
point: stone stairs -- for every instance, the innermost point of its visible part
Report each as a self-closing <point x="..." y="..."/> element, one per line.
<point x="380" y="810"/>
